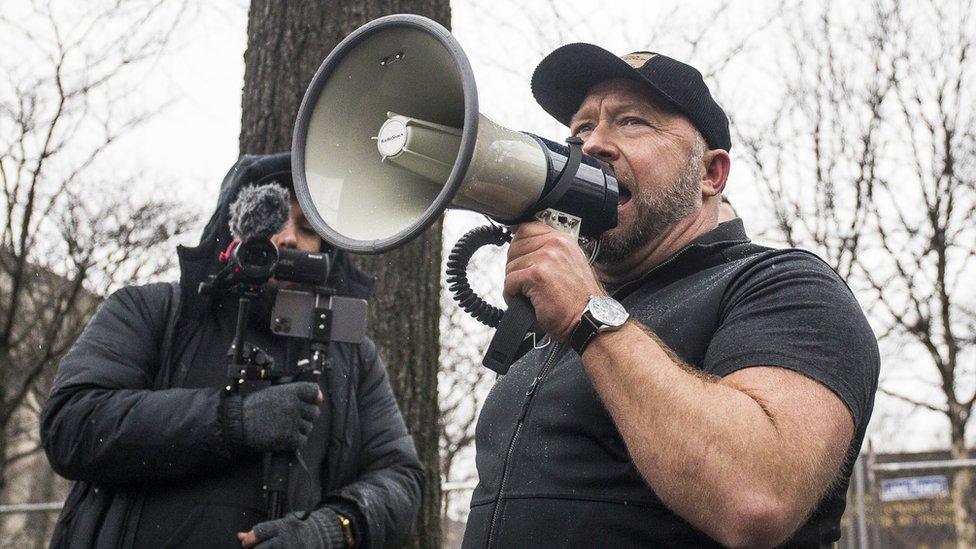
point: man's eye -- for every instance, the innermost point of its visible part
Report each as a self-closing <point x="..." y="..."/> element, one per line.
<point x="633" y="121"/>
<point x="583" y="128"/>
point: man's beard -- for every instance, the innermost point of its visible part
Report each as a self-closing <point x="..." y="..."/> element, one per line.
<point x="657" y="212"/>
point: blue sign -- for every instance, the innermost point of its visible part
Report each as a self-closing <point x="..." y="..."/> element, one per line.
<point x="914" y="488"/>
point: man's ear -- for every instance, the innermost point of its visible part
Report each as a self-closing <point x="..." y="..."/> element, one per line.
<point x="717" y="164"/>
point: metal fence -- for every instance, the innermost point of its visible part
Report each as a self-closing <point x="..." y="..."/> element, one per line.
<point x="903" y="500"/>
<point x="18" y="508"/>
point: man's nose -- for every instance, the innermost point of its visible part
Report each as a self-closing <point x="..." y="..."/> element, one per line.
<point x="286" y="237"/>
<point x="599" y="144"/>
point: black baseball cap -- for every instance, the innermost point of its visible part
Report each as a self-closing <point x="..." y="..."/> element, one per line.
<point x="563" y="78"/>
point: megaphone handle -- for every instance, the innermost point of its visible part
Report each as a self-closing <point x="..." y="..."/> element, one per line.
<point x="511" y="332"/>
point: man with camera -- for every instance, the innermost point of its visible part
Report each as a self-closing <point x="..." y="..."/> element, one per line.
<point x="165" y="454"/>
<point x="701" y="389"/>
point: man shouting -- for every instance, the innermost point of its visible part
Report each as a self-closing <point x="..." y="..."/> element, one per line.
<point x="701" y="389"/>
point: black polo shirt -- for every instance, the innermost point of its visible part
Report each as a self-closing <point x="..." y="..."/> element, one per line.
<point x="555" y="472"/>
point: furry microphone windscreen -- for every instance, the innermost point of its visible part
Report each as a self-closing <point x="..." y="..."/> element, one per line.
<point x="259" y="211"/>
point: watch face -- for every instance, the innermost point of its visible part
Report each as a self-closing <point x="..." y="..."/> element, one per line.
<point x="606" y="310"/>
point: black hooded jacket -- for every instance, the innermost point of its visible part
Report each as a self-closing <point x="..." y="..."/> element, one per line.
<point x="134" y="417"/>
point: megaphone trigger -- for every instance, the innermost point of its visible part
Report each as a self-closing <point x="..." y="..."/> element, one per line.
<point x="542" y="343"/>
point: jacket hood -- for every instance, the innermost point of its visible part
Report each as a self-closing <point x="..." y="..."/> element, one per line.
<point x="199" y="262"/>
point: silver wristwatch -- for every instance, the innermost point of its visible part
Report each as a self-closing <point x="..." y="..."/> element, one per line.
<point x="602" y="314"/>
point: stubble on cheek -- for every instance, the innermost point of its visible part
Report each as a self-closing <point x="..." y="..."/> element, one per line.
<point x="652" y="212"/>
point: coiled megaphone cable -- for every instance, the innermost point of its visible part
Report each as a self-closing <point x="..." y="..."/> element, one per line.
<point x="457" y="272"/>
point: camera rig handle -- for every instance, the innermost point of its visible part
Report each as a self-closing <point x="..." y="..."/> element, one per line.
<point x="251" y="369"/>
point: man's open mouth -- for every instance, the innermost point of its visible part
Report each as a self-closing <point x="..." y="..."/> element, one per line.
<point x="624" y="195"/>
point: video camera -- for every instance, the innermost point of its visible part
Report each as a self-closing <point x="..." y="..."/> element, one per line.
<point x="305" y="306"/>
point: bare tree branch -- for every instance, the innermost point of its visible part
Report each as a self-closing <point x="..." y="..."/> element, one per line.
<point x="881" y="134"/>
<point x="912" y="401"/>
<point x="61" y="248"/>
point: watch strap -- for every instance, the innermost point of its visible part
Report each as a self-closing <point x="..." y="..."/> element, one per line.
<point x="583" y="334"/>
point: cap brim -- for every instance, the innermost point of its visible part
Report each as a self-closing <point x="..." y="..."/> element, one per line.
<point x="563" y="78"/>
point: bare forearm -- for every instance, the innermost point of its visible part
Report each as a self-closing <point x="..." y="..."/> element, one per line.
<point x="744" y="458"/>
<point x="712" y="453"/>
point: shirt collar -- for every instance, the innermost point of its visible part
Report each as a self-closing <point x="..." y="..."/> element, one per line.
<point x="723" y="236"/>
<point x="726" y="234"/>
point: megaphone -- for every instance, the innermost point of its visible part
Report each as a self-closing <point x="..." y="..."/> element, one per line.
<point x="389" y="135"/>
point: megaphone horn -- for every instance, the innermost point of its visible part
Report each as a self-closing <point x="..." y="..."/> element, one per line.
<point x="389" y="135"/>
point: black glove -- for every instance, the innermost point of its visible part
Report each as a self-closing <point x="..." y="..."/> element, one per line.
<point x="321" y="530"/>
<point x="274" y="419"/>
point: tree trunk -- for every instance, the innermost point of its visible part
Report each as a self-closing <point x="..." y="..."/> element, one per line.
<point x="962" y="485"/>
<point x="287" y="42"/>
<point x="38" y="525"/>
<point x="3" y="443"/>
<point x="6" y="371"/>
<point x="403" y="320"/>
